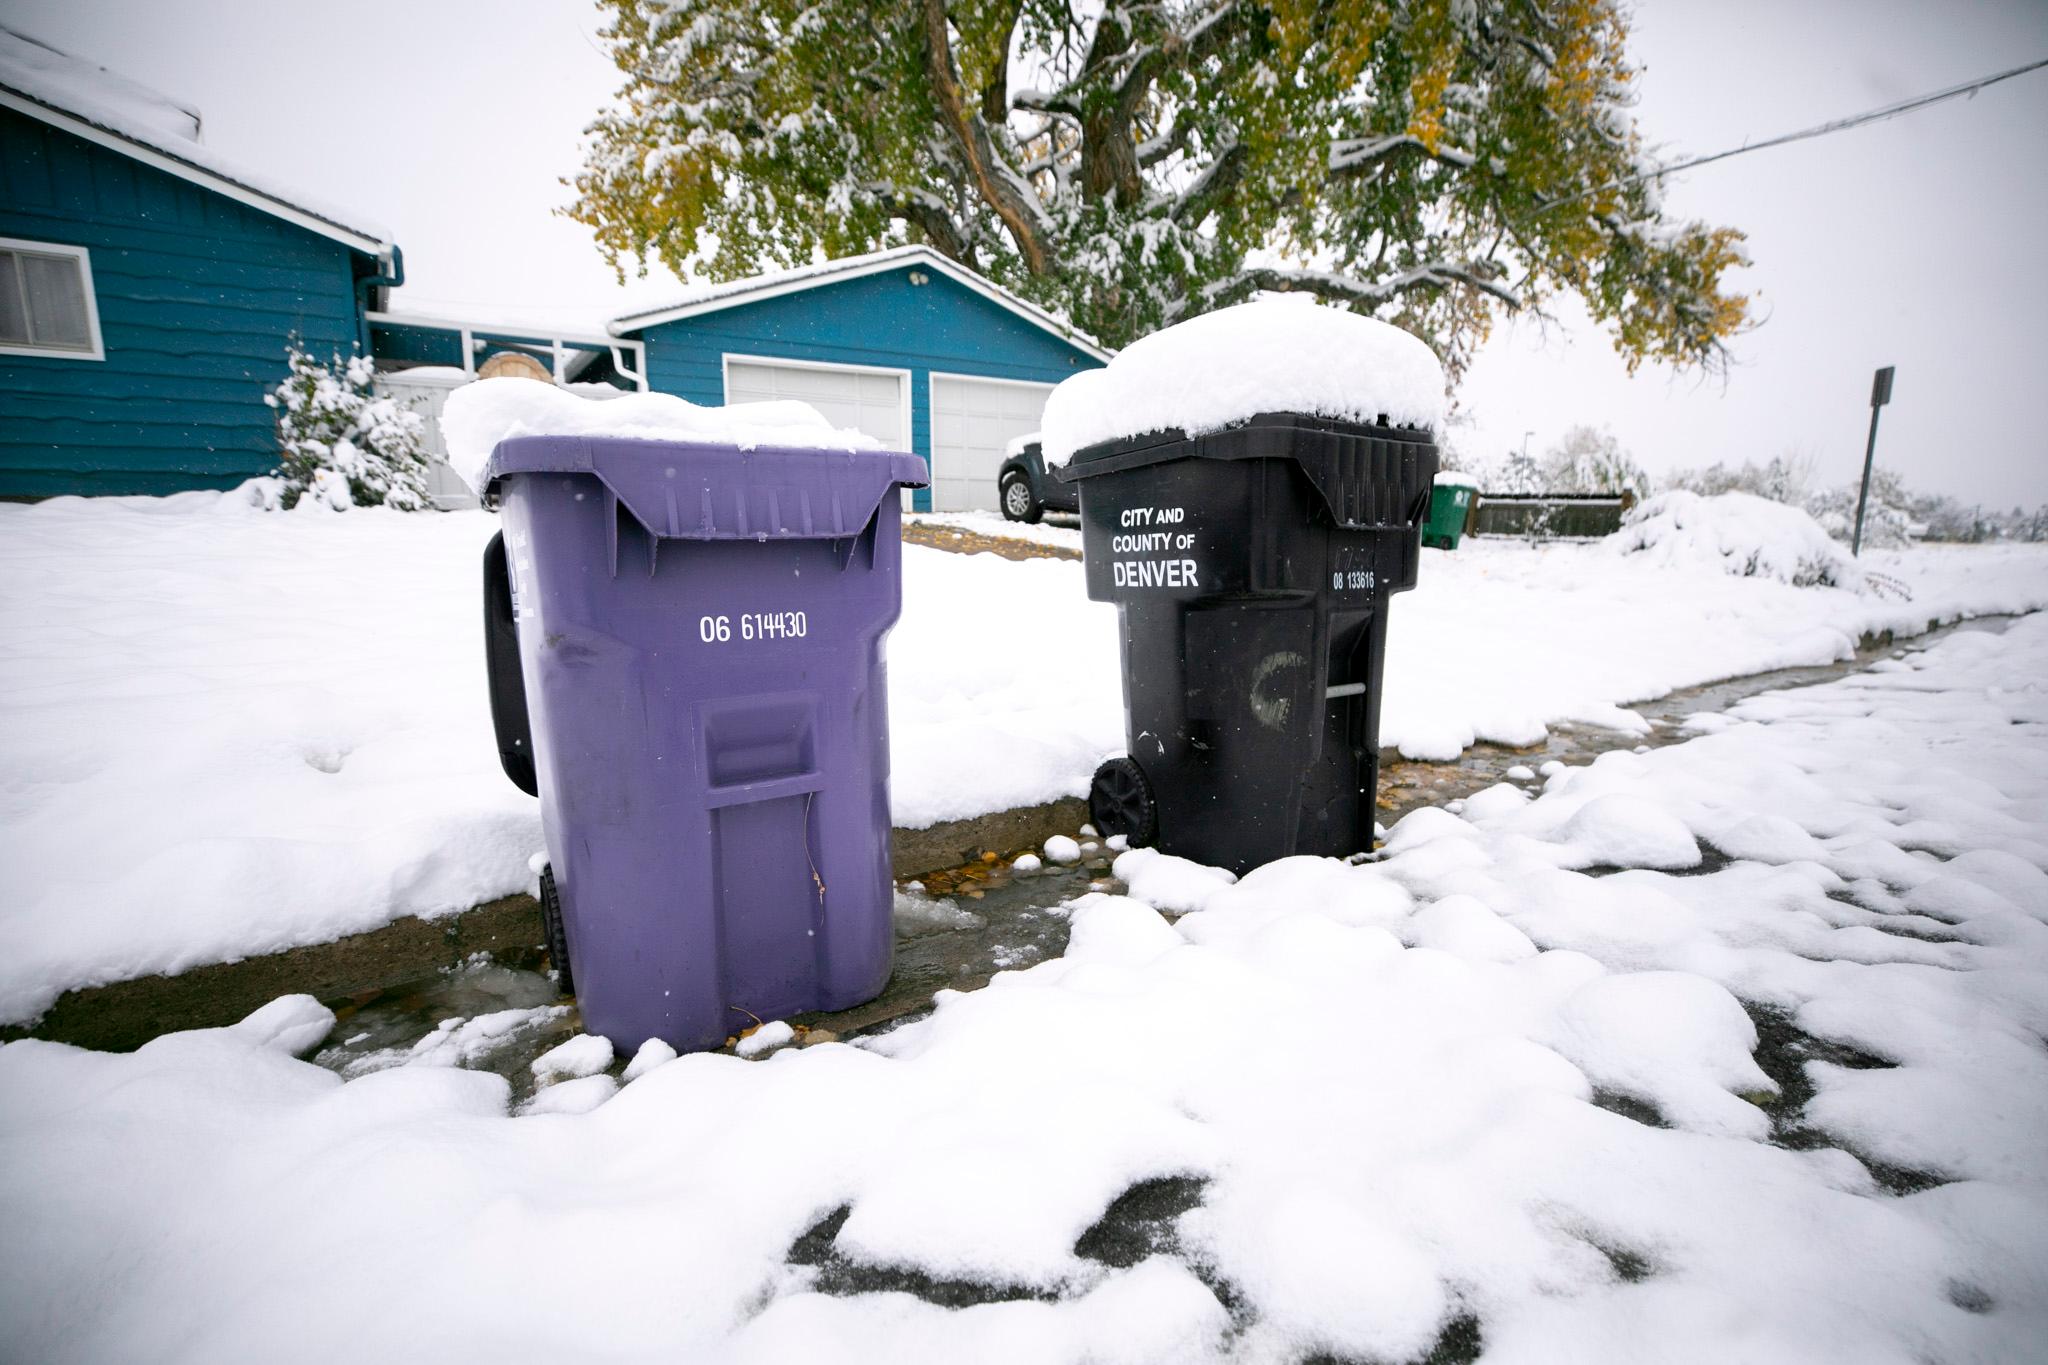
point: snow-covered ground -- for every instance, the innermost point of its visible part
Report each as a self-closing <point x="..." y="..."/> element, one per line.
<point x="1499" y="1084"/>
<point x="230" y="732"/>
<point x="1503" y="638"/>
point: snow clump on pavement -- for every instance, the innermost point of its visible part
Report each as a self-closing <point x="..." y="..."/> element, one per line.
<point x="917" y="913"/>
<point x="1061" y="849"/>
<point x="1740" y="534"/>
<point x="1269" y="355"/>
<point x="291" y="1024"/>
<point x="584" y="1055"/>
<point x="480" y="415"/>
<point x="1788" y="1106"/>
<point x="577" y="1096"/>
<point x="1027" y="862"/>
<point x="652" y="1053"/>
<point x="1170" y="883"/>
<point x="765" y="1039"/>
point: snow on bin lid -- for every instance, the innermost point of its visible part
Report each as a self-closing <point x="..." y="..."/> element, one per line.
<point x="1269" y="355"/>
<point x="480" y="415"/>
<point x="1456" y="478"/>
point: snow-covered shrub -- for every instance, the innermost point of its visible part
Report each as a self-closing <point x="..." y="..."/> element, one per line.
<point x="1888" y="520"/>
<point x="340" y="444"/>
<point x="1740" y="534"/>
<point x="1785" y="478"/>
<point x="1512" y="476"/>
<point x="1945" y="519"/>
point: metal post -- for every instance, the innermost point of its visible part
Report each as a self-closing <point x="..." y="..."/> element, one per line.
<point x="1880" y="394"/>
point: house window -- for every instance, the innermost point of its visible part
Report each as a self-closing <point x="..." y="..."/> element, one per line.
<point x="46" y="301"/>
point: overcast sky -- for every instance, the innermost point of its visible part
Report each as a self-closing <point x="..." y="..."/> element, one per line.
<point x="1915" y="243"/>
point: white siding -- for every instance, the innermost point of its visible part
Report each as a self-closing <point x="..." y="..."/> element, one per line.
<point x="426" y="392"/>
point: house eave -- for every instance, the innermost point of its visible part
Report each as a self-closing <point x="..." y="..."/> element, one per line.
<point x="196" y="174"/>
<point x="922" y="257"/>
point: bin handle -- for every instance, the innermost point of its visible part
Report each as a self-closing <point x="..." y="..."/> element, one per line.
<point x="507" y="684"/>
<point x="763" y="789"/>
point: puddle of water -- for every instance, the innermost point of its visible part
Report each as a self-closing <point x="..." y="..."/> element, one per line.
<point x="486" y="1015"/>
<point x="499" y="1015"/>
<point x="1001" y="921"/>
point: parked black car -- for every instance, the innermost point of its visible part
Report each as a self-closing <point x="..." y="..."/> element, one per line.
<point x="1026" y="491"/>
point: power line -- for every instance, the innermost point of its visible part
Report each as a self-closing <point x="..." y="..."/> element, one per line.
<point x="1818" y="130"/>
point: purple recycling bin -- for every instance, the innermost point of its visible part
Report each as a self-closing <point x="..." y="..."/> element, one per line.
<point x="699" y="638"/>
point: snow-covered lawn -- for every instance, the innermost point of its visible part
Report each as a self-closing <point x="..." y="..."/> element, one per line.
<point x="229" y="732"/>
<point x="1489" y="1085"/>
<point x="1058" y="529"/>
<point x="1502" y="638"/>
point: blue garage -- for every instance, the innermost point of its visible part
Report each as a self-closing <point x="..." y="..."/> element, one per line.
<point x="914" y="349"/>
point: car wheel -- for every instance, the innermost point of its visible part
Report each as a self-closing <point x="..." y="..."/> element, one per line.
<point x="1018" y="502"/>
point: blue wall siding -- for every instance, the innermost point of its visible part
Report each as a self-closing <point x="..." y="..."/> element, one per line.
<point x="197" y="294"/>
<point x="880" y="319"/>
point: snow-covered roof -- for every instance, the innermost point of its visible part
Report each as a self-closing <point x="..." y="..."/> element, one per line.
<point x="93" y="103"/>
<point x="711" y="298"/>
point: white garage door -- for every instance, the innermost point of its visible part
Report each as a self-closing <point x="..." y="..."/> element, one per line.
<point x="972" y="420"/>
<point x="873" y="401"/>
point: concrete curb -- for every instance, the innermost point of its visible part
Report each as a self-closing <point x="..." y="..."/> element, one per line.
<point x="124" y="1015"/>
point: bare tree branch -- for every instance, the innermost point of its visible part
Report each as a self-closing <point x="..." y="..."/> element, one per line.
<point x="998" y="184"/>
<point x="1357" y="155"/>
<point x="1342" y="288"/>
<point x="931" y="215"/>
<point x="1216" y="181"/>
<point x="995" y="100"/>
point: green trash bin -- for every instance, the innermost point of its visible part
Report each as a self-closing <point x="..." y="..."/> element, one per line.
<point x="1450" y="503"/>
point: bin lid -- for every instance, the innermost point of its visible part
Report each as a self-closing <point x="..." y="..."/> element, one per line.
<point x="1368" y="474"/>
<point x="686" y="490"/>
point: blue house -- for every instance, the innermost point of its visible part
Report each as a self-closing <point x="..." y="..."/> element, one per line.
<point x="915" y="350"/>
<point x="147" y="288"/>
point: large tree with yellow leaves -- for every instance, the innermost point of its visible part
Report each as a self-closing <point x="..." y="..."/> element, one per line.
<point x="1433" y="162"/>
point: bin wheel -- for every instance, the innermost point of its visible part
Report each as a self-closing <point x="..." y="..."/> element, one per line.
<point x="1120" y="802"/>
<point x="551" y="926"/>
<point x="1018" y="503"/>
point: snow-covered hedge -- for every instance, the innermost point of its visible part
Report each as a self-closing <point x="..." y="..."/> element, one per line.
<point x="340" y="444"/>
<point x="1740" y="534"/>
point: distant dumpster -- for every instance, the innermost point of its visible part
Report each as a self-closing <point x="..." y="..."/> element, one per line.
<point x="1451" y="505"/>
<point x="696" y="631"/>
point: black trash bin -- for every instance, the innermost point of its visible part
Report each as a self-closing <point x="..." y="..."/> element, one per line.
<point x="1251" y="568"/>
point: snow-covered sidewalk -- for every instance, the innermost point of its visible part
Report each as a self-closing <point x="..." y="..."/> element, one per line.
<point x="230" y="732"/>
<point x="1496" y="1088"/>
